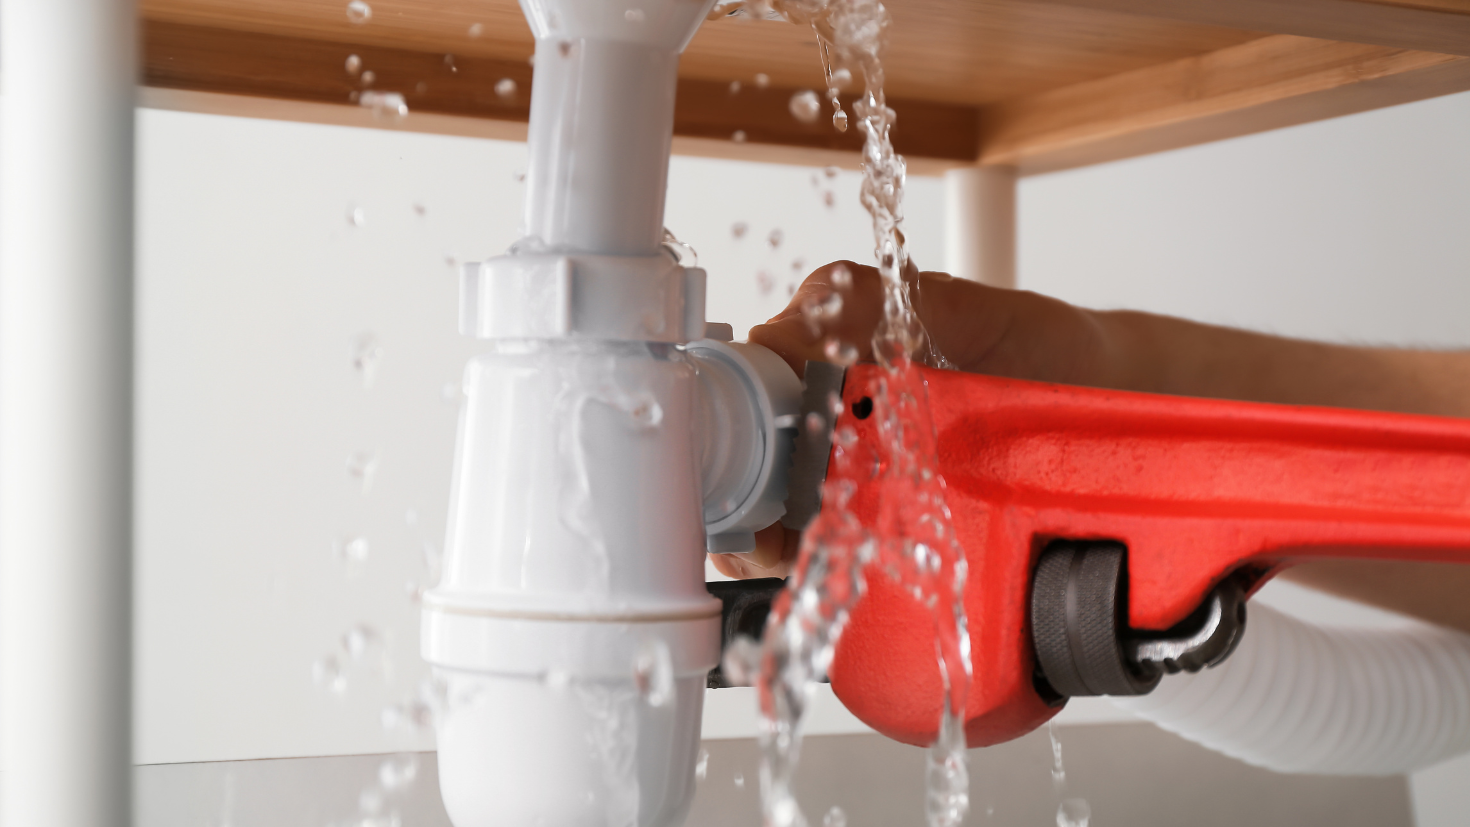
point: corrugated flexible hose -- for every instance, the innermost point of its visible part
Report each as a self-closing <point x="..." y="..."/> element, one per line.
<point x="1295" y="697"/>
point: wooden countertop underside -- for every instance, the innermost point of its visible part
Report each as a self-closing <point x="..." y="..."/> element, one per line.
<point x="1041" y="86"/>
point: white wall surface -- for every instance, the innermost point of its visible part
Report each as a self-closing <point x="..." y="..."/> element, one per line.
<point x="1351" y="230"/>
<point x="254" y="291"/>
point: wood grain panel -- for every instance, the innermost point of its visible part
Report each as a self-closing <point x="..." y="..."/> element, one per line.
<point x="956" y="51"/>
<point x="1265" y="84"/>
<point x="233" y="62"/>
<point x="1426" y="25"/>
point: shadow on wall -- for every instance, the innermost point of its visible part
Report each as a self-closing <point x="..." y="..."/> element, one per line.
<point x="1132" y="775"/>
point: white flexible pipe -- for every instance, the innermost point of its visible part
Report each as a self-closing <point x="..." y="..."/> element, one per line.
<point x="1295" y="697"/>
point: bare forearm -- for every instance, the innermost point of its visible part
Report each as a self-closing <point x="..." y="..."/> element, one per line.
<point x="1166" y="355"/>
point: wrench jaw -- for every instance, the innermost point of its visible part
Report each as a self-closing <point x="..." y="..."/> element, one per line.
<point x="1080" y="636"/>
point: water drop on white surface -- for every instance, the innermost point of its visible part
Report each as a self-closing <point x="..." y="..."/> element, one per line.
<point x="354" y="64"/>
<point x="653" y="673"/>
<point x="633" y="15"/>
<point x="476" y="29"/>
<point x="701" y="765"/>
<point x="359" y="12"/>
<point x="739" y="136"/>
<point x="556" y="679"/>
<point x="326" y="673"/>
<point x="835" y="817"/>
<point x="505" y="88"/>
<point x="805" y="106"/>
<point x="762" y="80"/>
<point x="1074" y="812"/>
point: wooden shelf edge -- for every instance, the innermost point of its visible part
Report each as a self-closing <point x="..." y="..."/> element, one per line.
<point x="1266" y="84"/>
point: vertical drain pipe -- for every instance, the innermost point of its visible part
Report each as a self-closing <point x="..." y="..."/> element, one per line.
<point x="66" y="365"/>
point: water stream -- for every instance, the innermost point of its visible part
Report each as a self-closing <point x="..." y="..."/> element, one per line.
<point x="912" y="539"/>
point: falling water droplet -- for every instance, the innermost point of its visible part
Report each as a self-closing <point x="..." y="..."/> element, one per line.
<point x="741" y="663"/>
<point x="1058" y="772"/>
<point x="831" y="172"/>
<point x="841" y="78"/>
<point x="449" y="62"/>
<point x="385" y="105"/>
<point x="739" y="136"/>
<point x="354" y="64"/>
<point x="505" y="88"/>
<point x="841" y="277"/>
<point x="762" y="80"/>
<point x="653" y="673"/>
<point x="361" y="466"/>
<point x="701" y="765"/>
<point x="738" y="229"/>
<point x="805" y="106"/>
<point x="359" y="12"/>
<point x="476" y="29"/>
<point x="739" y="781"/>
<point x="633" y="15"/>
<point x="420" y="88"/>
<point x="764" y="282"/>
<point x="398" y="772"/>
<point x="352" y="550"/>
<point x="835" y="817"/>
<point x="1074" y="812"/>
<point x="356" y="216"/>
<point x="734" y="87"/>
<point x="565" y="48"/>
<point x="370" y="801"/>
<point x="815" y="424"/>
<point x="798" y="264"/>
<point x="357" y="641"/>
<point x="839" y="120"/>
<point x="519" y="176"/>
<point x="419" y="209"/>
<point x="829" y="199"/>
<point x="368" y="77"/>
<point x="366" y="353"/>
<point x="327" y="674"/>
<point x="775" y="238"/>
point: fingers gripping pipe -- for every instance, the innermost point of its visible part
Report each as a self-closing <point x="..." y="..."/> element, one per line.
<point x="1298" y="698"/>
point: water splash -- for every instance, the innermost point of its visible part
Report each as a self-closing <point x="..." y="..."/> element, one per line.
<point x="910" y="539"/>
<point x="385" y="105"/>
<point x="1058" y="772"/>
<point x="1074" y="812"/>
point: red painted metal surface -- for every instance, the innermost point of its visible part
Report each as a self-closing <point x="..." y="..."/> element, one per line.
<point x="1196" y="489"/>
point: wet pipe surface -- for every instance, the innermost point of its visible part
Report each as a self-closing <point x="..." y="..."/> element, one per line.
<point x="1195" y="489"/>
<point x="207" y="59"/>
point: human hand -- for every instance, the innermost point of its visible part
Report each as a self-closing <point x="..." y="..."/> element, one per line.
<point x="977" y="328"/>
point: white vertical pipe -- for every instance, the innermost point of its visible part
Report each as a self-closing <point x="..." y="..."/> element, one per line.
<point x="980" y="224"/>
<point x="66" y="345"/>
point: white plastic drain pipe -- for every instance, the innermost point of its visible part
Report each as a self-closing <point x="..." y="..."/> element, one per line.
<point x="1294" y="697"/>
<point x="602" y="448"/>
<point x="66" y="346"/>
